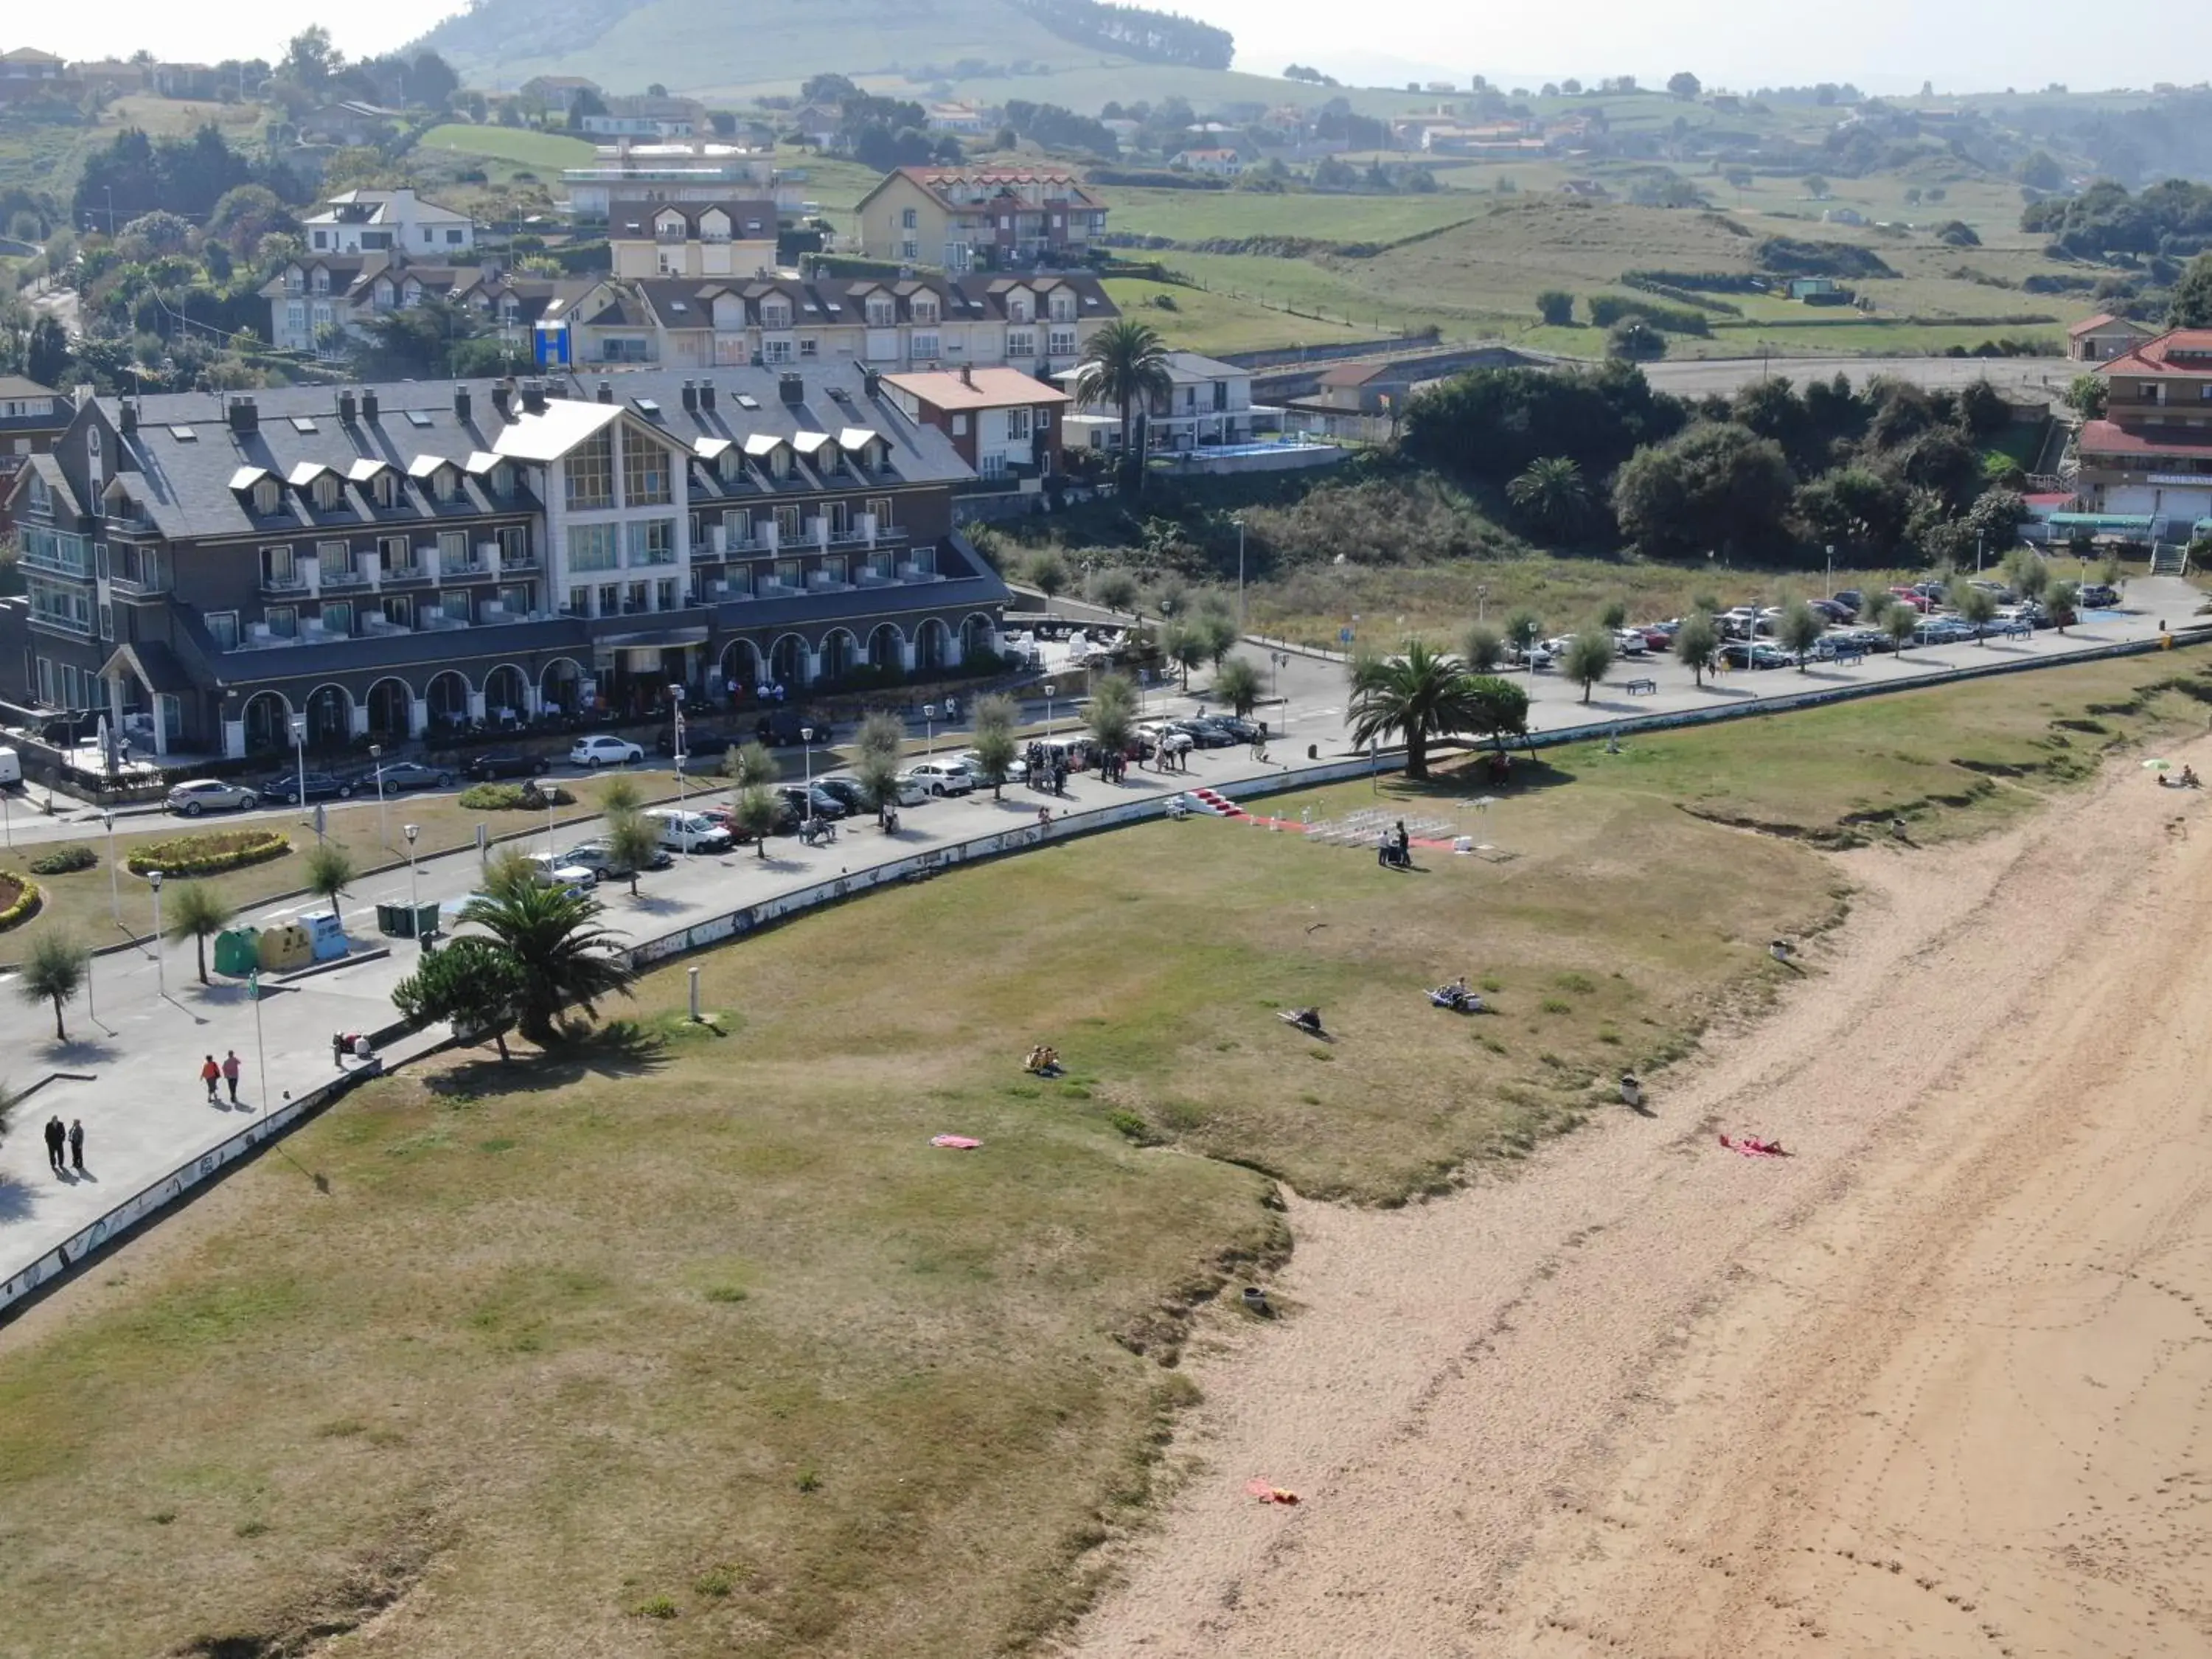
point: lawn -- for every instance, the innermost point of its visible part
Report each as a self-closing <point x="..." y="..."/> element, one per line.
<point x="544" y="153"/>
<point x="1194" y="320"/>
<point x="688" y="1344"/>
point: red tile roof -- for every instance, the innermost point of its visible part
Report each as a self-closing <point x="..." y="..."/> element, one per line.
<point x="2104" y="438"/>
<point x="2097" y="321"/>
<point x="2192" y="347"/>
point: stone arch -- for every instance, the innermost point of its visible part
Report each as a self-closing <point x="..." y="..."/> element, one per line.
<point x="391" y="705"/>
<point x="787" y="660"/>
<point x="447" y="695"/>
<point x="330" y="716"/>
<point x="267" y="718"/>
<point x="506" y="687"/>
<point x="933" y="645"/>
<point x="841" y="653"/>
<point x="561" y="685"/>
<point x="887" y="648"/>
<point x="741" y="665"/>
<point x="977" y="631"/>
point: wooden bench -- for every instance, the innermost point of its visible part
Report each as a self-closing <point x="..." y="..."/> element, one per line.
<point x="1641" y="687"/>
<point x="1849" y="659"/>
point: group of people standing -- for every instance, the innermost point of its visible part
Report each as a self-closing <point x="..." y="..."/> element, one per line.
<point x="68" y="1140"/>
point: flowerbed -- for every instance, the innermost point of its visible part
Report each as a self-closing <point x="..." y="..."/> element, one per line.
<point x="18" y="899"/>
<point x="208" y="854"/>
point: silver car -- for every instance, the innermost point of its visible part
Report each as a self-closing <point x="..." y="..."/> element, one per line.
<point x="211" y="795"/>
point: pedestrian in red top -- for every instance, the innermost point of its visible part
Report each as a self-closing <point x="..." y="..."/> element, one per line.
<point x="230" y="1074"/>
<point x="210" y="1073"/>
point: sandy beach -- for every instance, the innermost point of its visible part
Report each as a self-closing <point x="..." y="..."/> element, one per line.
<point x="1940" y="1383"/>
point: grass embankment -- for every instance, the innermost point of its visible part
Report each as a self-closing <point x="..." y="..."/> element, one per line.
<point x="707" y="1318"/>
<point x="544" y="153"/>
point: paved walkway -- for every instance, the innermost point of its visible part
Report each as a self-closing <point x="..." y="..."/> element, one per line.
<point x="138" y="1038"/>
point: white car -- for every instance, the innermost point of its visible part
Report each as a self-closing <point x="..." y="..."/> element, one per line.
<point x="553" y="871"/>
<point x="603" y="752"/>
<point x="1017" y="770"/>
<point x="1629" y="643"/>
<point x="688" y="832"/>
<point x="199" y="795"/>
<point x="939" y="777"/>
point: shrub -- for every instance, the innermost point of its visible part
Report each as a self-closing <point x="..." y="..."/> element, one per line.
<point x="659" y="1607"/>
<point x="208" y="854"/>
<point x="514" y="797"/>
<point x="18" y="900"/>
<point x="63" y="860"/>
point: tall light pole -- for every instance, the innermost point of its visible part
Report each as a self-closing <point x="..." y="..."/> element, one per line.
<point x="114" y="893"/>
<point x="929" y="727"/>
<point x="806" y="748"/>
<point x="383" y="835"/>
<point x="1482" y="601"/>
<point x="7" y="822"/>
<point x="160" y="980"/>
<point x="414" y="890"/>
<point x="300" y="747"/>
<point x="1239" y="523"/>
<point x="1050" y="689"/>
<point x="1831" y="566"/>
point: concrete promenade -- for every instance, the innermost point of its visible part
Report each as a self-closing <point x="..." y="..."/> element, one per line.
<point x="136" y="1042"/>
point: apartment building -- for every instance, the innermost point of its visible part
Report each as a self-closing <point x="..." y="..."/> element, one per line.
<point x="389" y="222"/>
<point x="1002" y="423"/>
<point x="2151" y="456"/>
<point x="319" y="294"/>
<point x="31" y="417"/>
<point x="692" y="238"/>
<point x="962" y="219"/>
<point x="698" y="170"/>
<point x="1039" y="324"/>
<point x="388" y="560"/>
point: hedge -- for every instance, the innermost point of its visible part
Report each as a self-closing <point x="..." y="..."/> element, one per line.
<point x="63" y="860"/>
<point x="207" y="856"/>
<point x="514" y="797"/>
<point x="25" y="902"/>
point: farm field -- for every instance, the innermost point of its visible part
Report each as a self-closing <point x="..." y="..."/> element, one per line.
<point x="543" y="153"/>
<point x="1197" y="320"/>
<point x="641" y="1349"/>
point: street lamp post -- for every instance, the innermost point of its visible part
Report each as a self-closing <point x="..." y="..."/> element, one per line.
<point x="383" y="832"/>
<point x="7" y="822"/>
<point x="414" y="890"/>
<point x="300" y="749"/>
<point x="806" y="748"/>
<point x="1240" y="574"/>
<point x="929" y="727"/>
<point x="160" y="980"/>
<point x="1832" y="566"/>
<point x="114" y="893"/>
<point x="1050" y="691"/>
<point x="1482" y="602"/>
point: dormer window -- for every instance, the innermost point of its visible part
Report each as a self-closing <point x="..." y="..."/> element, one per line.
<point x="264" y="498"/>
<point x="1018" y="308"/>
<point x="388" y="489"/>
<point x="925" y="310"/>
<point x="779" y="464"/>
<point x="443" y="485"/>
<point x="1063" y="307"/>
<point x="40" y="498"/>
<point x="775" y="314"/>
<point x="730" y="466"/>
<point x="322" y="281"/>
<point x="326" y="492"/>
<point x="881" y="312"/>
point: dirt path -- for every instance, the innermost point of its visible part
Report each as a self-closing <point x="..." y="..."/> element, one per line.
<point x="1936" y="1385"/>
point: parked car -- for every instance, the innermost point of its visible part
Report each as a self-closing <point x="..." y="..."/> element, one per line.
<point x="1205" y="732"/>
<point x="1738" y="654"/>
<point x="507" y="764"/>
<point x="2098" y="596"/>
<point x="403" y="775"/>
<point x="939" y="777"/>
<point x="1629" y="643"/>
<point x="1660" y="636"/>
<point x="825" y="802"/>
<point x="1850" y="598"/>
<point x="319" y="786"/>
<point x="1833" y="612"/>
<point x="1017" y="770"/>
<point x="786" y="821"/>
<point x="689" y="832"/>
<point x="604" y="750"/>
<point x="598" y="858"/>
<point x="211" y="795"/>
<point x="554" y="870"/>
<point x="1238" y="727"/>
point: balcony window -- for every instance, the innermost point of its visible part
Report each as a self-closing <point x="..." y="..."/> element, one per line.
<point x="666" y="595"/>
<point x="652" y="541"/>
<point x="645" y="472"/>
<point x="283" y="621"/>
<point x="513" y="545"/>
<point x="400" y="611"/>
<point x="60" y="606"/>
<point x="879" y="508"/>
<point x="841" y="519"/>
<point x="337" y="620"/>
<point x="924" y="347"/>
<point x="786" y="525"/>
<point x="787" y="573"/>
<point x="1017" y="426"/>
<point x="395" y="554"/>
<point x="592" y="547"/>
<point x="222" y="629"/>
<point x="278" y="568"/>
<point x="590" y="473"/>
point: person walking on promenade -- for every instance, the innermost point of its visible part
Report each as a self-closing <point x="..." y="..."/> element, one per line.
<point x="210" y="1073"/>
<point x="76" y="1144"/>
<point x="230" y="1070"/>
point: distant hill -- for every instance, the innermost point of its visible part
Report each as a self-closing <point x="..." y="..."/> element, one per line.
<point x="701" y="46"/>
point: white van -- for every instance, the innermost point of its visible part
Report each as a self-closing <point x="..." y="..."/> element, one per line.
<point x="688" y="832"/>
<point x="11" y="768"/>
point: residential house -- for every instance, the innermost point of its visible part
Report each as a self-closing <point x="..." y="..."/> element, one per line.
<point x="113" y="75"/>
<point x="191" y="81"/>
<point x="1214" y="163"/>
<point x="1369" y="388"/>
<point x="388" y="222"/>
<point x="1039" y="324"/>
<point x="698" y="171"/>
<point x="1206" y="402"/>
<point x="2105" y="336"/>
<point x="389" y="562"/>
<point x="956" y="117"/>
<point x="2151" y="455"/>
<point x="1001" y="422"/>
<point x="1586" y="190"/>
<point x="1842" y="215"/>
<point x="29" y="75"/>
<point x="352" y="124"/>
<point x="559" y="93"/>
<point x="319" y="295"/>
<point x="692" y="238"/>
<point x="646" y="118"/>
<point x="31" y="417"/>
<point x="980" y="218"/>
<point x="818" y="124"/>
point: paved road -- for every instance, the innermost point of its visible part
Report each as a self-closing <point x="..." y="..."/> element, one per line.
<point x="1703" y="376"/>
<point x="139" y="1037"/>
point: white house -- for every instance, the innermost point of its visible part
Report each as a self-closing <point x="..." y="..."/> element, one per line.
<point x="1216" y="163"/>
<point x="1208" y="402"/>
<point x="389" y="222"/>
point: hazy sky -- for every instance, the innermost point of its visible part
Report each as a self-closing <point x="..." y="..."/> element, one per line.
<point x="1882" y="45"/>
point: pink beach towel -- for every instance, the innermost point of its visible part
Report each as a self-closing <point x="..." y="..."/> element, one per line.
<point x="958" y="1143"/>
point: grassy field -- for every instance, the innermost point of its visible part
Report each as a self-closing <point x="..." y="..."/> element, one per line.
<point x="1195" y="319"/>
<point x="651" y="1350"/>
<point x="1190" y="215"/>
<point x="543" y="153"/>
<point x="48" y="156"/>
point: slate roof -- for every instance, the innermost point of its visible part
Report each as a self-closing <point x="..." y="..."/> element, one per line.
<point x="751" y="219"/>
<point x="184" y="484"/>
<point x="687" y="302"/>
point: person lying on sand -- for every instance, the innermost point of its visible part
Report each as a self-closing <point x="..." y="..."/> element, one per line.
<point x="1752" y="1147"/>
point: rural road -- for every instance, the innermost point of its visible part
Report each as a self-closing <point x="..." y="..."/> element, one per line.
<point x="1704" y="377"/>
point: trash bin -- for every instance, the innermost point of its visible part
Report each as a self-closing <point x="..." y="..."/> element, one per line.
<point x="238" y="952"/>
<point x="282" y="949"/>
<point x="327" y="938"/>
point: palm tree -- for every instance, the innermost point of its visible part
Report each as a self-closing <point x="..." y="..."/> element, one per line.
<point x="1551" y="493"/>
<point x="619" y="795"/>
<point x="995" y="747"/>
<point x="632" y="842"/>
<point x="1125" y="362"/>
<point x="1589" y="654"/>
<point x="53" y="971"/>
<point x="196" y="910"/>
<point x="1112" y="714"/>
<point x="756" y="807"/>
<point x="1187" y="645"/>
<point x="1237" y="682"/>
<point x="330" y="873"/>
<point x="553" y="935"/>
<point x="1802" y="626"/>
<point x="1697" y="642"/>
<point x="1421" y="694"/>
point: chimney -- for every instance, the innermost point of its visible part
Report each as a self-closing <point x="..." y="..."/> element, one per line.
<point x="367" y="406"/>
<point x="690" y="396"/>
<point x="245" y="415"/>
<point x="792" y="388"/>
<point x="128" y="416"/>
<point x="606" y="392"/>
<point x="533" y="397"/>
<point x="461" y="405"/>
<point x="346" y="406"/>
<point x="870" y="381"/>
<point x="967" y="375"/>
<point x="84" y="395"/>
<point x="706" y="396"/>
<point x="501" y="393"/>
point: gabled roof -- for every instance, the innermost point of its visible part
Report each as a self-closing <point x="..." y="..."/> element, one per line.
<point x="2107" y="438"/>
<point x="751" y="219"/>
<point x="2176" y="351"/>
<point x="933" y="182"/>
<point x="20" y="386"/>
<point x="551" y="433"/>
<point x="2105" y="320"/>
<point x="979" y="388"/>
